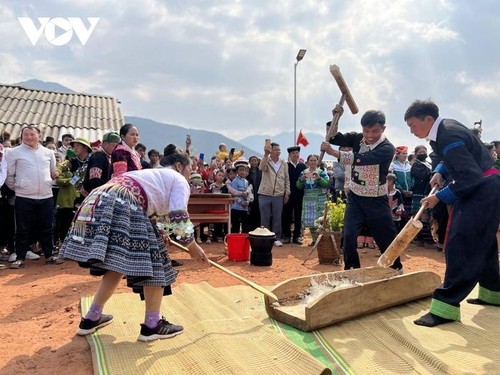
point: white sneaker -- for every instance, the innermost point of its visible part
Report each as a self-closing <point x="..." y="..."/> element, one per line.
<point x="12" y="257"/>
<point x="32" y="256"/>
<point x="278" y="243"/>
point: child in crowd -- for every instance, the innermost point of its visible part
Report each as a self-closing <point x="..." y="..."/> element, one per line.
<point x="395" y="201"/>
<point x="222" y="153"/>
<point x="239" y="189"/>
<point x="197" y="187"/>
<point x="230" y="175"/>
<point x="219" y="187"/>
<point x="196" y="183"/>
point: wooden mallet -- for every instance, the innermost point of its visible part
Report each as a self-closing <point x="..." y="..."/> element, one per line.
<point x="346" y="97"/>
<point x="236" y="276"/>
<point x="403" y="239"/>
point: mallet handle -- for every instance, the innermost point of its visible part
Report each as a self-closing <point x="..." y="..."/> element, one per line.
<point x="236" y="276"/>
<point x="424" y="206"/>
<point x="335" y="71"/>
<point x="333" y="126"/>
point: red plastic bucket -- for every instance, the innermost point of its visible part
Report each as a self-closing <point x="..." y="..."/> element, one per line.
<point x="238" y="246"/>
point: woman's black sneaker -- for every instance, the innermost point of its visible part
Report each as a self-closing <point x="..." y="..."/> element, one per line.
<point x="88" y="326"/>
<point x="163" y="330"/>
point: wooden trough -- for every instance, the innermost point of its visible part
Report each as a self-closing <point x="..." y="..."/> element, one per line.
<point x="353" y="293"/>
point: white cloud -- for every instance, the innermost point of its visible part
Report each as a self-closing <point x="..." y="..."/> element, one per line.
<point x="228" y="65"/>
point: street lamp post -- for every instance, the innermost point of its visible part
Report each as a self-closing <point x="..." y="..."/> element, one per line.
<point x="300" y="56"/>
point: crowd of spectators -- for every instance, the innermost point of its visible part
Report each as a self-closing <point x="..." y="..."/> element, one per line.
<point x="43" y="183"/>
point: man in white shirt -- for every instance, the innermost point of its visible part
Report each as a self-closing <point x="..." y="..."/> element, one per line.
<point x="30" y="171"/>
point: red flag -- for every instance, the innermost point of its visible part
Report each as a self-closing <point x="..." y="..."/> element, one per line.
<point x="301" y="139"/>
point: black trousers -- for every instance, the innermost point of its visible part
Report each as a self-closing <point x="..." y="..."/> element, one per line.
<point x="34" y="218"/>
<point x="64" y="219"/>
<point x="471" y="249"/>
<point x="239" y="217"/>
<point x="292" y="213"/>
<point x="375" y="213"/>
<point x="7" y="225"/>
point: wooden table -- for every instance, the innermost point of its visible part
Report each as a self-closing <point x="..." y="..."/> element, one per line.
<point x="210" y="208"/>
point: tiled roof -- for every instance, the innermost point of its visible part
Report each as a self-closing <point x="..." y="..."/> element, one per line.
<point x="82" y="115"/>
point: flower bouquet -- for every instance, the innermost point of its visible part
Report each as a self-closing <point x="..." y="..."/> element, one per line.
<point x="330" y="227"/>
<point x="334" y="217"/>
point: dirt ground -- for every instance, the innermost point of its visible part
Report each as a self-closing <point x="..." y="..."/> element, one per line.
<point x="40" y="309"/>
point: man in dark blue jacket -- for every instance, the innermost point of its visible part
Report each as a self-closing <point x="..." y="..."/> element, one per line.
<point x="474" y="191"/>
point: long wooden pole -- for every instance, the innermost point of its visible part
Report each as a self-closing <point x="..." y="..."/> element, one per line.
<point x="403" y="239"/>
<point x="235" y="275"/>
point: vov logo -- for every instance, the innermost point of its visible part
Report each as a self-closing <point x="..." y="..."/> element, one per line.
<point x="58" y="31"/>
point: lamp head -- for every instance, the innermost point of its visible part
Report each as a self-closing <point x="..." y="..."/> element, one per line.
<point x="301" y="54"/>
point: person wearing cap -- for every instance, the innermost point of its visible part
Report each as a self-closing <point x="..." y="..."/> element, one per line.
<point x="240" y="189"/>
<point x="99" y="165"/>
<point x="31" y="168"/>
<point x="421" y="173"/>
<point x="292" y="210"/>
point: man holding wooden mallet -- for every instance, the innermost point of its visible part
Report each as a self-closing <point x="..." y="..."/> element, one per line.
<point x="471" y="244"/>
<point x="367" y="201"/>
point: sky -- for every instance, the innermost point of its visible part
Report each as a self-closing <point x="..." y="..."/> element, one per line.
<point x="229" y="65"/>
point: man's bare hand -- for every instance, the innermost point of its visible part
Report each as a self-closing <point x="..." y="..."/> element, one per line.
<point x="437" y="180"/>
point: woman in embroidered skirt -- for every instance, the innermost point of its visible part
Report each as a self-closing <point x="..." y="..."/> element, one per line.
<point x="113" y="235"/>
<point x="314" y="181"/>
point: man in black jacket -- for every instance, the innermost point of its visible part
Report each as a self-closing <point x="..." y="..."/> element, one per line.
<point x="367" y="201"/>
<point x="292" y="210"/>
<point x="474" y="191"/>
<point x="99" y="165"/>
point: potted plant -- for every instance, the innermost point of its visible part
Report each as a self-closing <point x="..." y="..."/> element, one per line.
<point x="335" y="212"/>
<point x="329" y="248"/>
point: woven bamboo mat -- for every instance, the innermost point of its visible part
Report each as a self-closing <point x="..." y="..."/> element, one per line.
<point x="217" y="338"/>
<point x="388" y="342"/>
<point x="227" y="331"/>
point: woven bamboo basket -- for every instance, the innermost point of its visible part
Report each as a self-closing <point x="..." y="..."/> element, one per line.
<point x="329" y="248"/>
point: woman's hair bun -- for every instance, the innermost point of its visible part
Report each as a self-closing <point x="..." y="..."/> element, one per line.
<point x="170" y="149"/>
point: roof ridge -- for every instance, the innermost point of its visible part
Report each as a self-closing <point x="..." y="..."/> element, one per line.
<point x="57" y="92"/>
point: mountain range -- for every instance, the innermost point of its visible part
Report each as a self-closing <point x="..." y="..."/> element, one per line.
<point x="156" y="135"/>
